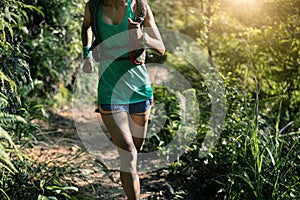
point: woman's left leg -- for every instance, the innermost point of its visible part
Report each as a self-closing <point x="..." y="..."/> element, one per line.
<point x="118" y="126"/>
<point x="138" y="127"/>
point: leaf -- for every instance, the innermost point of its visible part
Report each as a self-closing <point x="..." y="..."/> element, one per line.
<point x="30" y="7"/>
<point x="248" y="182"/>
<point x="5" y="135"/>
<point x="170" y="188"/>
<point x="54" y="187"/>
<point x="10" y="119"/>
<point x="6" y="161"/>
<point x="42" y="197"/>
<point x="289" y="124"/>
<point x="271" y="156"/>
<point x="42" y="183"/>
<point x="3" y="192"/>
<point x="70" y="188"/>
<point x="12" y="84"/>
<point x="66" y="195"/>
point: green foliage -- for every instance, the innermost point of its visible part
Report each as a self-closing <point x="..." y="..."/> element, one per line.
<point x="257" y="155"/>
<point x="13" y="14"/>
<point x="263" y="42"/>
<point x="52" y="44"/>
<point x="22" y="80"/>
<point x="53" y="178"/>
<point x="254" y="158"/>
<point x="258" y="38"/>
<point x="166" y="110"/>
<point x="244" y="40"/>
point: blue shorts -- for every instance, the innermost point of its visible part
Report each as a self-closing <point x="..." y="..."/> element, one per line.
<point x="140" y="108"/>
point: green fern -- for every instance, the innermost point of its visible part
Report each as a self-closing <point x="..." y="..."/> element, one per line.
<point x="6" y="118"/>
<point x="14" y="14"/>
<point x="11" y="83"/>
<point x="4" y="157"/>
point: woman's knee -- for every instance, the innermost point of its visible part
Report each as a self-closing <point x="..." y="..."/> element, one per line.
<point x="128" y="159"/>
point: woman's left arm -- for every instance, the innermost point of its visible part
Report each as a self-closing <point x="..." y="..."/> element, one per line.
<point x="152" y="37"/>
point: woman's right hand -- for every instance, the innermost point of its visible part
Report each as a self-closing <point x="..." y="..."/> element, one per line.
<point x="88" y="66"/>
<point x="134" y="28"/>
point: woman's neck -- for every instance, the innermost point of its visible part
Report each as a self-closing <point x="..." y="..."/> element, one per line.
<point x="114" y="3"/>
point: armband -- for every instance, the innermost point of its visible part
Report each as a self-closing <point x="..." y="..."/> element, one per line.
<point x="86" y="52"/>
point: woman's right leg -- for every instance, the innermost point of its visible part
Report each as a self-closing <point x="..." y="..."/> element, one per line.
<point x="118" y="126"/>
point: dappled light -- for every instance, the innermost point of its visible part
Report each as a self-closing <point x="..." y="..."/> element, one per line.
<point x="250" y="5"/>
<point x="224" y="122"/>
<point x="245" y="2"/>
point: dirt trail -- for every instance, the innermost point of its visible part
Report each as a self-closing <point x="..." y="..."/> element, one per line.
<point x="61" y="140"/>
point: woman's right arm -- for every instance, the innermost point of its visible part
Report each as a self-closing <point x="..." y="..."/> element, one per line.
<point x="86" y="28"/>
<point x="86" y="38"/>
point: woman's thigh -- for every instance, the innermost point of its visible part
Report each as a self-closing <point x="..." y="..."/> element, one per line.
<point x="118" y="126"/>
<point x="138" y="125"/>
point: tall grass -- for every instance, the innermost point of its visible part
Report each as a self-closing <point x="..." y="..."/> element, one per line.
<point x="265" y="166"/>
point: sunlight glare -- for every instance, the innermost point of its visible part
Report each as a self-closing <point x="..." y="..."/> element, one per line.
<point x="246" y="3"/>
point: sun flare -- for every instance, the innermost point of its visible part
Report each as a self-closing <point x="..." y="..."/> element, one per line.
<point x="246" y="3"/>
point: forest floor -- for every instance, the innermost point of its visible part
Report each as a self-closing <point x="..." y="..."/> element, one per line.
<point x="60" y="144"/>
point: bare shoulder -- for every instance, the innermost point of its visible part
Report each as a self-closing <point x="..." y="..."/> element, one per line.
<point x="87" y="8"/>
<point x="87" y="15"/>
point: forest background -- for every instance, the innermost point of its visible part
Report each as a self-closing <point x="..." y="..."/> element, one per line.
<point x="255" y="45"/>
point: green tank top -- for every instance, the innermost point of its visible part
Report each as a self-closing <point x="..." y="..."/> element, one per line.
<point x="120" y="81"/>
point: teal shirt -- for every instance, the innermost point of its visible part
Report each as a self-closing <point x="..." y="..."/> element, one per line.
<point x="121" y="81"/>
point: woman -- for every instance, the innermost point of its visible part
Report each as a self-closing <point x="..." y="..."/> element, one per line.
<point x="124" y="90"/>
